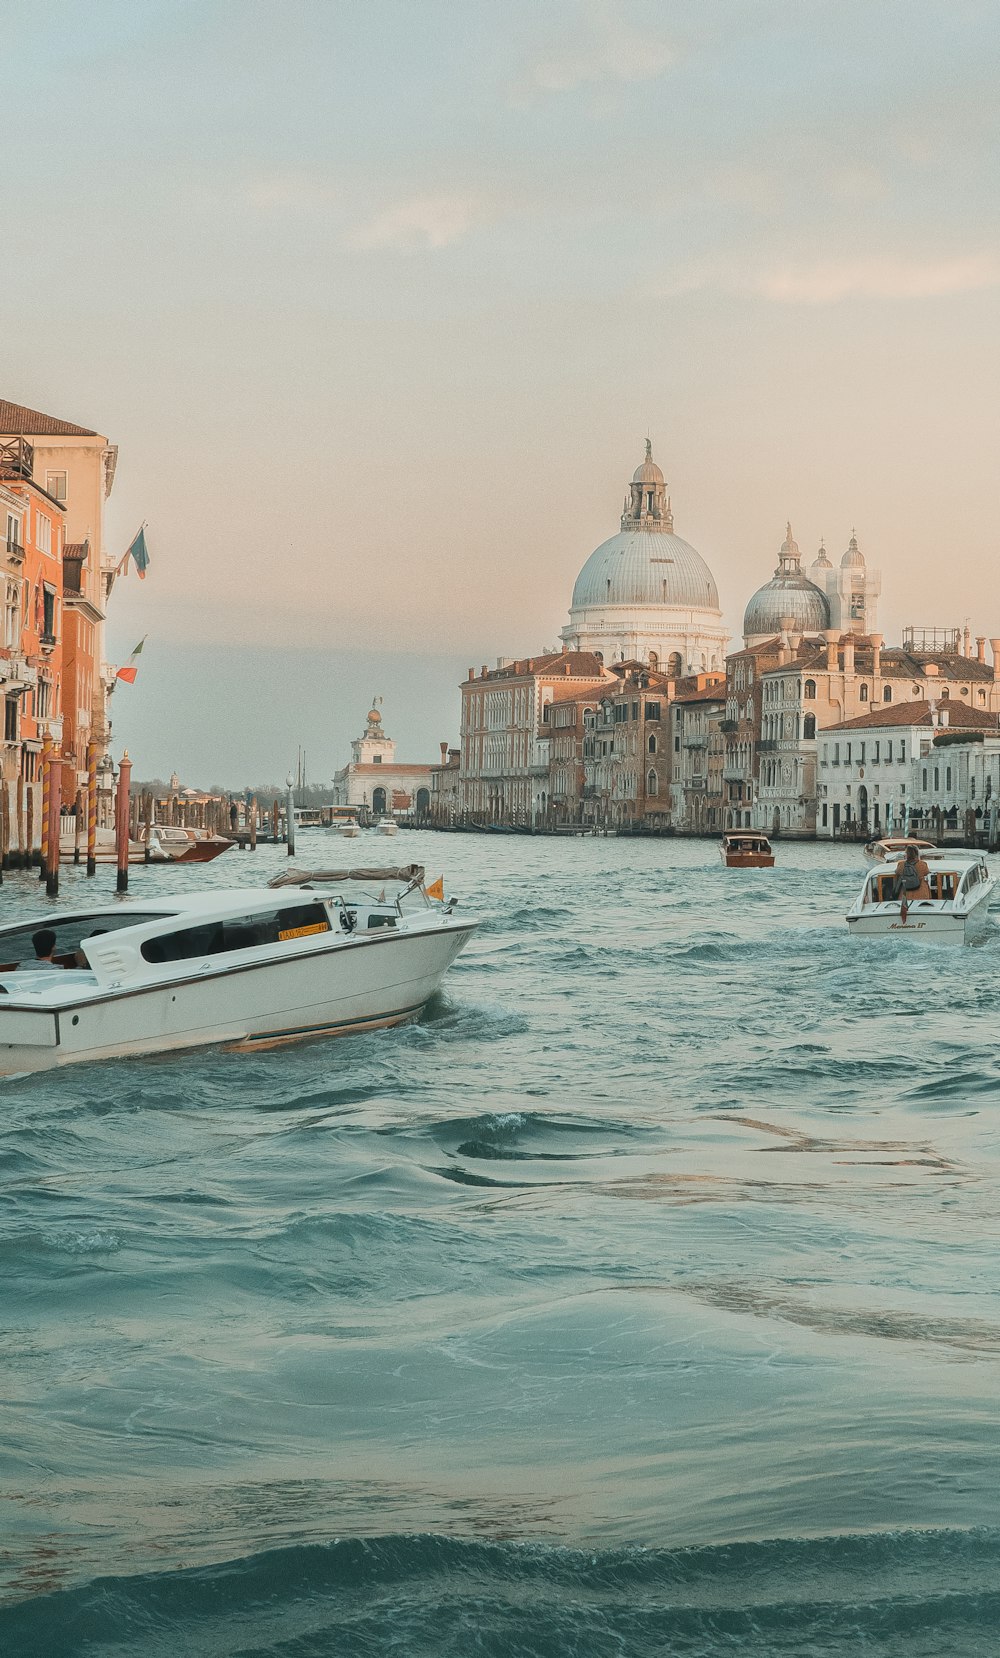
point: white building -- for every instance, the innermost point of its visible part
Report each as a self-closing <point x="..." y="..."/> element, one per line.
<point x="376" y="780"/>
<point x="889" y="771"/>
<point x="843" y="598"/>
<point x="646" y="595"/>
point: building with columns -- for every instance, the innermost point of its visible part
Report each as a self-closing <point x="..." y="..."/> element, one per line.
<point x="646" y="595"/>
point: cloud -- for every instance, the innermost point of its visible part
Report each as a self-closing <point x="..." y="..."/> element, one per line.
<point x="609" y="51"/>
<point x="828" y="282"/>
<point x="419" y="223"/>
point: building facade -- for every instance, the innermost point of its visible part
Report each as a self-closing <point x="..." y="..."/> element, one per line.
<point x="375" y="781"/>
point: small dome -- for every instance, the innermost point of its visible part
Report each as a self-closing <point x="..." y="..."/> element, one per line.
<point x="821" y="562"/>
<point x="374" y="717"/>
<point x="785" y="599"/>
<point x="648" y="472"/>
<point x="854" y="558"/>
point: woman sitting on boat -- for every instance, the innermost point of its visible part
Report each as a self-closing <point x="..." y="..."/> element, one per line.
<point x="911" y="880"/>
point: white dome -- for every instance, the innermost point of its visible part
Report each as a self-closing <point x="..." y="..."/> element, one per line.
<point x="645" y="567"/>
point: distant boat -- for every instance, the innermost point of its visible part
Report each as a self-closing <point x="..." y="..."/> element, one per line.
<point x="386" y="826"/>
<point x="746" y="849"/>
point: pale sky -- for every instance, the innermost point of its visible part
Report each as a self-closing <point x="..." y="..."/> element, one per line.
<point x="380" y="299"/>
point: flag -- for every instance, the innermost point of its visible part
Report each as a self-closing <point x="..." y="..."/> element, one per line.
<point x="436" y="889"/>
<point x="129" y="672"/>
<point x="138" y="553"/>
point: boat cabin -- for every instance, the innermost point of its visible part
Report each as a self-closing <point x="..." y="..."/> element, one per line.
<point x="948" y="878"/>
<point x="746" y="849"/>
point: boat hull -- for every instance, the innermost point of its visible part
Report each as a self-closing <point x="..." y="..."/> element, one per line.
<point x="923" y="924"/>
<point x="748" y="860"/>
<point x="358" y="985"/>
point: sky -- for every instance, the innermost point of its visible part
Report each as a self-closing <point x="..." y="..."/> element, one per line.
<point x="380" y="300"/>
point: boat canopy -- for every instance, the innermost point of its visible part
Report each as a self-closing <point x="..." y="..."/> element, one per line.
<point x="411" y="874"/>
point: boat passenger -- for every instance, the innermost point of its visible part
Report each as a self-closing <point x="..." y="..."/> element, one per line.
<point x="44" y="942"/>
<point x="911" y="880"/>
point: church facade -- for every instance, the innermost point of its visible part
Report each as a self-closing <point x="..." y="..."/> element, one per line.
<point x="375" y="781"/>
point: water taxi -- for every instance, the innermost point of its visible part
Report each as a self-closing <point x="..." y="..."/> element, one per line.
<point x="894" y="847"/>
<point x="322" y="953"/>
<point x="950" y="907"/>
<point x="746" y="849"/>
<point x="387" y="826"/>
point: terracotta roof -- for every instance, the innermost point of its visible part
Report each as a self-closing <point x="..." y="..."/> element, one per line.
<point x="76" y="549"/>
<point x="710" y="693"/>
<point x="17" y="421"/>
<point x="960" y="717"/>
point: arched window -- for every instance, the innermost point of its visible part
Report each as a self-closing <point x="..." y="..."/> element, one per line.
<point x="809" y="726"/>
<point x="809" y="690"/>
<point x="887" y="694"/>
<point x="423" y="801"/>
<point x="651" y="783"/>
<point x="654" y="661"/>
<point x="863" y="693"/>
<point x="652" y="745"/>
<point x="674" y="664"/>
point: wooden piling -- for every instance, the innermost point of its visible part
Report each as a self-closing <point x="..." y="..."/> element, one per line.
<point x="252" y="810"/>
<point x="55" y="827"/>
<point x="91" y="808"/>
<point x="46" y="794"/>
<point x="122" y="814"/>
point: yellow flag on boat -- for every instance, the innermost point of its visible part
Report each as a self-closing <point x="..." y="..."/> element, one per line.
<point x="436" y="889"/>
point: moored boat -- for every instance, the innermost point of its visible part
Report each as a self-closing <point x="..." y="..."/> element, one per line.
<point x="950" y="906"/>
<point x="312" y="954"/>
<point x="746" y="849"/>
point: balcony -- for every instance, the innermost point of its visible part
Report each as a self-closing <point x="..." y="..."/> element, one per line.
<point x="48" y="641"/>
<point x="17" y="458"/>
<point x="728" y="726"/>
<point x="695" y="742"/>
<point x="767" y="745"/>
<point x="14" y="552"/>
<point x="734" y="774"/>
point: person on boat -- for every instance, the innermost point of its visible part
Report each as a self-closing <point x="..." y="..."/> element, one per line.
<point x="44" y="943"/>
<point x="911" y="880"/>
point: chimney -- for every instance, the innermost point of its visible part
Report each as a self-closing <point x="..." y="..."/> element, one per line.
<point x="483" y="671"/>
<point x="444" y="754"/>
<point x="944" y="718"/>
<point x="878" y="640"/>
<point x="832" y="638"/>
<point x="980" y="648"/>
<point x="849" y="654"/>
<point x="967" y="641"/>
<point x="995" y="648"/>
<point x="471" y="674"/>
<point x="565" y="667"/>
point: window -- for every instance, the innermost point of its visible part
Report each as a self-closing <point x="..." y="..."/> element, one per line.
<point x="863" y="693"/>
<point x="824" y="816"/>
<point x="924" y="783"/>
<point x="902" y="755"/>
<point x="836" y="754"/>
<point x="653" y="710"/>
<point x="809" y="690"/>
<point x="887" y="694"/>
<point x="888" y="752"/>
<point x="651" y="745"/>
<point x="847" y="756"/>
<point x="214" y="938"/>
<point x="651" y="782"/>
<point x="947" y="778"/>
<point x="677" y="745"/>
<point x="809" y="726"/>
<point x="635" y="710"/>
<point x="55" y="484"/>
<point x="376" y="759"/>
<point x="48" y="613"/>
<point x="10" y="711"/>
<point x="43" y="532"/>
<point x="937" y="777"/>
<point x="545" y="713"/>
<point x="875" y="754"/>
<point x="861" y="754"/>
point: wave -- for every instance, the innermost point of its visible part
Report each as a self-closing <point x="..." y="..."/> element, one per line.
<point x="894" y="1595"/>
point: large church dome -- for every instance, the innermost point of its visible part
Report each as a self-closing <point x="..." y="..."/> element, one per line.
<point x="788" y="600"/>
<point x="646" y="590"/>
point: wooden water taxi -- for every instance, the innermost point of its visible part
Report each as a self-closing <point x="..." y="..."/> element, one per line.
<point x="746" y="849"/>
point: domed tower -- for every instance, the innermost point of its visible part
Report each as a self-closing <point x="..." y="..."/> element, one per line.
<point x="853" y="592"/>
<point x="788" y="598"/>
<point x="373" y="747"/>
<point x="646" y="595"/>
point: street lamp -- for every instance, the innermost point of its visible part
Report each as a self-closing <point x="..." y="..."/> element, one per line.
<point x="290" y="815"/>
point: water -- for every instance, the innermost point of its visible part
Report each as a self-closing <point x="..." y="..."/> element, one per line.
<point x="642" y="1298"/>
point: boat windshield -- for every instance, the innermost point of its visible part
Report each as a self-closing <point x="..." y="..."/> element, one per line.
<point x="943" y="885"/>
<point x="18" y="950"/>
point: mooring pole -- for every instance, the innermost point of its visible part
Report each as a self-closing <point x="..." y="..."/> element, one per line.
<point x="44" y="825"/>
<point x="55" y="826"/>
<point x="91" y="808"/>
<point x="290" y="815"/>
<point x="122" y="821"/>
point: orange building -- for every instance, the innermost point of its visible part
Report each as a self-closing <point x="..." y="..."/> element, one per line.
<point x="33" y="707"/>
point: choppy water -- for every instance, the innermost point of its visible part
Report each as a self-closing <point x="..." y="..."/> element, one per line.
<point x="641" y="1299"/>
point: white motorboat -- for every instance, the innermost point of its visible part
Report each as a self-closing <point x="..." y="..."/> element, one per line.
<point x="893" y="847"/>
<point x="312" y="954"/>
<point x="348" y="828"/>
<point x="951" y="905"/>
<point x="387" y="826"/>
